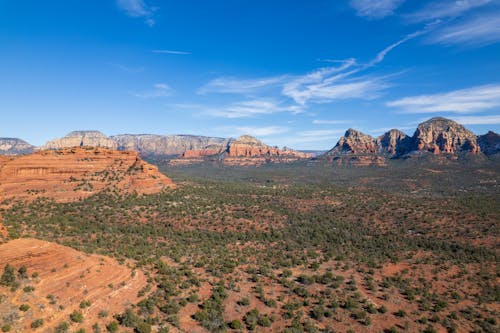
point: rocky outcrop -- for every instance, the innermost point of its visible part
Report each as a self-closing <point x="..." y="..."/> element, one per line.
<point x="393" y="143"/>
<point x="489" y="143"/>
<point x="81" y="139"/>
<point x="73" y="173"/>
<point x="246" y="150"/>
<point x="437" y="136"/>
<point x="354" y="142"/>
<point x="355" y="148"/>
<point x="441" y="135"/>
<point x="68" y="276"/>
<point x="14" y="146"/>
<point x="164" y="145"/>
<point x="248" y="146"/>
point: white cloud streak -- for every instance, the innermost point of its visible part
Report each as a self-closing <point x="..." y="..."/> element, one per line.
<point x="468" y="100"/>
<point x="252" y="108"/>
<point x="159" y="90"/>
<point x="137" y="9"/>
<point x="260" y="131"/>
<point x="375" y="9"/>
<point x="229" y="85"/>
<point x="337" y="83"/>
<point x="329" y="122"/>
<point x="172" y="52"/>
<point x="445" y="9"/>
<point x="478" y="31"/>
<point x="478" y="120"/>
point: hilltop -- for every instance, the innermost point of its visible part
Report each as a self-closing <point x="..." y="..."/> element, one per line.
<point x="73" y="173"/>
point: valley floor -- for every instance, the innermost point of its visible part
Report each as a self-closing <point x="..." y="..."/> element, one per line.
<point x="296" y="248"/>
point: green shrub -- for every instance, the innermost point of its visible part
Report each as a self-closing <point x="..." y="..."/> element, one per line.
<point x="76" y="317"/>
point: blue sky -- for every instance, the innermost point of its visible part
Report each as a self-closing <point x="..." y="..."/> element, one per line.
<point x="291" y="72"/>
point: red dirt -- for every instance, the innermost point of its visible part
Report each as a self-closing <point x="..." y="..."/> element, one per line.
<point x="70" y="277"/>
<point x="74" y="173"/>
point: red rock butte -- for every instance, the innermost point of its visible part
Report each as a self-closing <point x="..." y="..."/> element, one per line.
<point x="73" y="173"/>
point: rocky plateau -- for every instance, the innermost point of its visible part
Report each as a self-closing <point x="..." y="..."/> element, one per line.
<point x="73" y="173"/>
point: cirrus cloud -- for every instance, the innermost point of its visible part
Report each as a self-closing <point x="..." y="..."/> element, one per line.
<point x="469" y="100"/>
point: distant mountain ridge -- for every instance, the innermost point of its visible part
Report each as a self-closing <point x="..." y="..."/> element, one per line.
<point x="436" y="136"/>
<point x="15" y="146"/>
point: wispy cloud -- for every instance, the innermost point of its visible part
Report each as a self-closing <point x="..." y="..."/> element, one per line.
<point x="138" y="9"/>
<point x="468" y="100"/>
<point x="329" y="122"/>
<point x="478" y="120"/>
<point x="447" y="9"/>
<point x="315" y="138"/>
<point x="344" y="82"/>
<point x="477" y="31"/>
<point x="252" y="108"/>
<point x="261" y="131"/>
<point x="375" y="9"/>
<point x="159" y="90"/>
<point x="172" y="52"/>
<point x="229" y="85"/>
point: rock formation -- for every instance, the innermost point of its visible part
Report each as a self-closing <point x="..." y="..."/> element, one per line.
<point x="354" y="142"/>
<point x="164" y="145"/>
<point x="73" y="173"/>
<point x="355" y="148"/>
<point x="14" y="146"/>
<point x="81" y="139"/>
<point x="393" y="143"/>
<point x="489" y="143"/>
<point x="68" y="276"/>
<point x="437" y="135"/>
<point x="440" y="135"/>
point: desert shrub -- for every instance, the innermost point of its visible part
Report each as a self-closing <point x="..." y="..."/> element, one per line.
<point x="76" y="317"/>
<point x="235" y="325"/>
<point x="37" y="323"/>
<point x="24" y="307"/>
<point x="8" y="277"/>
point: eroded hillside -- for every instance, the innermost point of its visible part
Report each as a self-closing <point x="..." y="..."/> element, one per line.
<point x="73" y="173"/>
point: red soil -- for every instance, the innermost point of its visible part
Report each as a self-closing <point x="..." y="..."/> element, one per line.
<point x="70" y="277"/>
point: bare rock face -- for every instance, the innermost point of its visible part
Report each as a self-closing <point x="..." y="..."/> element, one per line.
<point x="248" y="146"/>
<point x="393" y="143"/>
<point x="354" y="142"/>
<point x="73" y="173"/>
<point x="246" y="150"/>
<point x="440" y="135"/>
<point x="14" y="146"/>
<point x="355" y="148"/>
<point x="81" y="139"/>
<point x="489" y="143"/>
<point x="163" y="145"/>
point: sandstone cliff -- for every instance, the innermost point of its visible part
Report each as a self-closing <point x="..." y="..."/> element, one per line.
<point x="14" y="146"/>
<point x="489" y="143"/>
<point x="246" y="150"/>
<point x="81" y="139"/>
<point x="162" y="145"/>
<point x="73" y="173"/>
<point x="437" y="136"/>
<point x="355" y="148"/>
<point x="440" y="135"/>
<point x="393" y="143"/>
